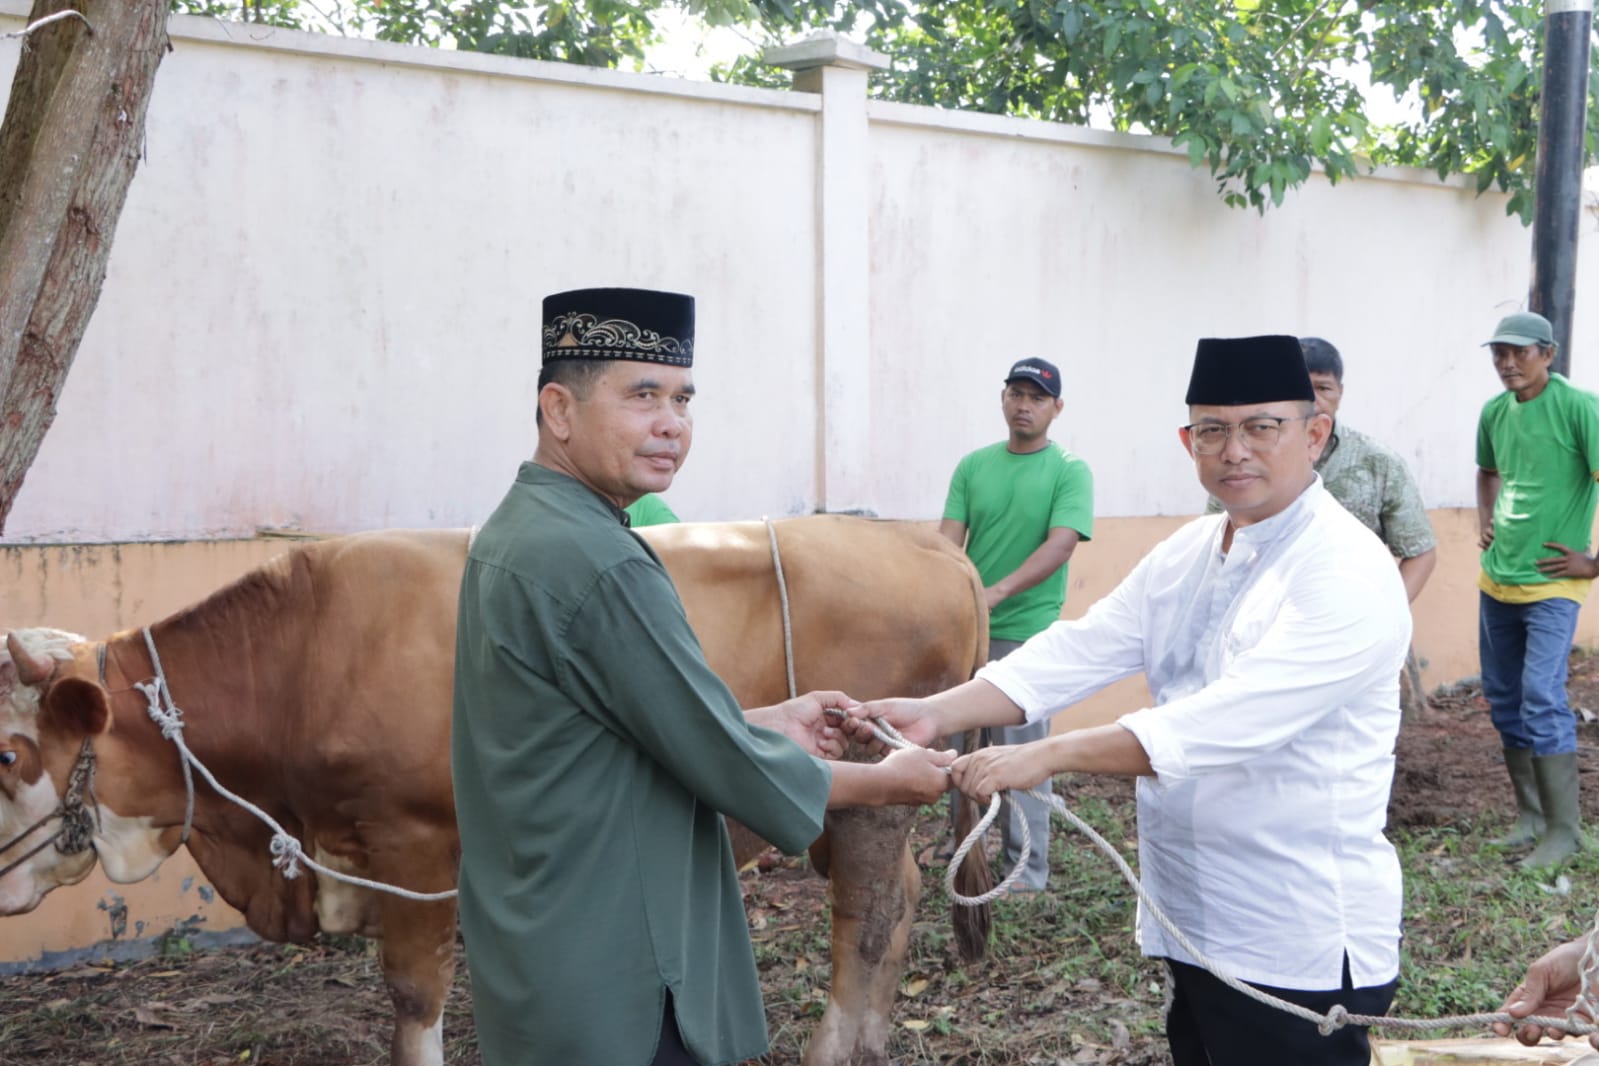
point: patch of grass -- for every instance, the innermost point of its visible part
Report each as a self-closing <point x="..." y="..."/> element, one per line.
<point x="1474" y="919"/>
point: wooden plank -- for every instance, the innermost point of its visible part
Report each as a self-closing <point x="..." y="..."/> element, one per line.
<point x="1480" y="1051"/>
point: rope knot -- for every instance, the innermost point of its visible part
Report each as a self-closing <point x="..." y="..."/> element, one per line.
<point x="171" y="722"/>
<point x="1337" y="1017"/>
<point x="286" y="855"/>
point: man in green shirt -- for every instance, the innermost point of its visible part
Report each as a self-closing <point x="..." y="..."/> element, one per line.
<point x="1537" y="460"/>
<point x="594" y="751"/>
<point x="1019" y="508"/>
<point x="649" y="510"/>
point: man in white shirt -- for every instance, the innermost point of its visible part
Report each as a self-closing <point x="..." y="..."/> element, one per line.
<point x="1271" y="636"/>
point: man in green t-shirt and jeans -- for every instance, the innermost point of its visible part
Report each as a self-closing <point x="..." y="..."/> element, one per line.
<point x="1537" y="460"/>
<point x="1019" y="508"/>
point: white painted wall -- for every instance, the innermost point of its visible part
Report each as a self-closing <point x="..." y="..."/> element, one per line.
<point x="322" y="308"/>
<point x="995" y="239"/>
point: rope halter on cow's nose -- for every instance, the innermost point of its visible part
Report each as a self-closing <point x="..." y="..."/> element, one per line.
<point x="77" y="810"/>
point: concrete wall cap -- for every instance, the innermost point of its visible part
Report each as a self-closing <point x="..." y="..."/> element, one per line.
<point x="825" y="48"/>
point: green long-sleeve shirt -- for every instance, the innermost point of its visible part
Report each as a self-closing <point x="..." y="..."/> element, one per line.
<point x="592" y="750"/>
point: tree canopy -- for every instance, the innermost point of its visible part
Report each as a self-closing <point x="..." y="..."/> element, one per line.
<point x="1261" y="92"/>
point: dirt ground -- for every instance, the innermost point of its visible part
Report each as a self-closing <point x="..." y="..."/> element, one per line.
<point x="323" y="1004"/>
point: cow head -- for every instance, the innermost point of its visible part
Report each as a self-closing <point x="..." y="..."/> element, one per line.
<point x="45" y="716"/>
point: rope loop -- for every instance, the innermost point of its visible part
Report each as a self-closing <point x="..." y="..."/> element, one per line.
<point x="1337" y="1017"/>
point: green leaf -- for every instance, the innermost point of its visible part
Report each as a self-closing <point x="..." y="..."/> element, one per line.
<point x="1320" y="134"/>
<point x="1113" y="38"/>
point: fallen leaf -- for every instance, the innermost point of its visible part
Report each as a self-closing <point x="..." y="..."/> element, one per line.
<point x="211" y="999"/>
<point x="915" y="1025"/>
<point x="916" y="987"/>
<point x="150" y="1016"/>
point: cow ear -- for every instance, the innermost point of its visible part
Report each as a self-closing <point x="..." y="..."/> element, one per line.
<point x="77" y="706"/>
<point x="31" y="668"/>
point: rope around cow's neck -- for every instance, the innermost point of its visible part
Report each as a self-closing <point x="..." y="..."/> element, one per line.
<point x="287" y="852"/>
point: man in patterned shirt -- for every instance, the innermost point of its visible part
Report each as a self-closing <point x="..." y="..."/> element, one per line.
<point x="1368" y="478"/>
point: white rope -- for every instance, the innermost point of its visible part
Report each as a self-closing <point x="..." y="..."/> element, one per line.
<point x="156" y="694"/>
<point x="782" y="595"/>
<point x="287" y="852"/>
<point x="47" y="20"/>
<point x="994" y="806"/>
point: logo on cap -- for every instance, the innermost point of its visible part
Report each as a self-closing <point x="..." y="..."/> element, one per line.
<point x="1040" y="371"/>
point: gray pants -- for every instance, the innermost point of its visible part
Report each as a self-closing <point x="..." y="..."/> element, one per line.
<point x="1014" y="809"/>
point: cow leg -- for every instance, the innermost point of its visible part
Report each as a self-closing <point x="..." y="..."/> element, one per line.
<point x="874" y="885"/>
<point x="418" y="966"/>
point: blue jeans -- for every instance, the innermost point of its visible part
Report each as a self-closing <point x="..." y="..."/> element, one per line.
<point x="1524" y="647"/>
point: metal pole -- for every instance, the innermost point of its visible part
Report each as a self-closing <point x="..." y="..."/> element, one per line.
<point x="1557" y="207"/>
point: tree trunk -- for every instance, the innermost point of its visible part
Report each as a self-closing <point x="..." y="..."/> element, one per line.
<point x="72" y="137"/>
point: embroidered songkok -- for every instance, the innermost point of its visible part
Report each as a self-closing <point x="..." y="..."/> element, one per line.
<point x="637" y="324"/>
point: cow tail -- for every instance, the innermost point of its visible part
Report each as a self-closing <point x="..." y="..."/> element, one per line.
<point x="974" y="878"/>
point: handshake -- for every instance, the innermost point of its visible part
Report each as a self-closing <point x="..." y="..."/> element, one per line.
<point x="823" y="723"/>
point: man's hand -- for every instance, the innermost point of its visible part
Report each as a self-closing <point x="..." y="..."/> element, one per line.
<point x="914" y="776"/>
<point x="916" y="721"/>
<point x="1569" y="563"/>
<point x="995" y="596"/>
<point x="1551" y="985"/>
<point x="1485" y="536"/>
<point x="805" y="721"/>
<point x="997" y="769"/>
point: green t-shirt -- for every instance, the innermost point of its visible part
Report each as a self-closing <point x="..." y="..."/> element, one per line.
<point x="649" y="510"/>
<point x="1009" y="503"/>
<point x="592" y="749"/>
<point x="1546" y="452"/>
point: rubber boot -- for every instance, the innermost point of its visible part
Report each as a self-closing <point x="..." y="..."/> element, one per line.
<point x="1557" y="792"/>
<point x="1529" y="810"/>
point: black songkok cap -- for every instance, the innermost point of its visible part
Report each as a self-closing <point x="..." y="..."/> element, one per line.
<point x="1233" y="371"/>
<point x="637" y="324"/>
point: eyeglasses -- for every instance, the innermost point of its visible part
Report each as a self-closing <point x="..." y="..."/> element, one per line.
<point x="1260" y="433"/>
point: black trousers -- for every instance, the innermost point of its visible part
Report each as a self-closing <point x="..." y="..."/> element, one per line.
<point x="1213" y="1025"/>
<point x="670" y="1051"/>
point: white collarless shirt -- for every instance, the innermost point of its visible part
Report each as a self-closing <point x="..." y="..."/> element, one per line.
<point x="1275" y="671"/>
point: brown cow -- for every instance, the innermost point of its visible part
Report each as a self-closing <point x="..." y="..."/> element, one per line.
<point x="318" y="688"/>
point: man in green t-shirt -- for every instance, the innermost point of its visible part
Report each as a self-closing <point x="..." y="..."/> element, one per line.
<point x="649" y="510"/>
<point x="1537" y="460"/>
<point x="1019" y="508"/>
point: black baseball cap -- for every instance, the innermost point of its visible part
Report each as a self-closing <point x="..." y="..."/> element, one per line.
<point x="1040" y="372"/>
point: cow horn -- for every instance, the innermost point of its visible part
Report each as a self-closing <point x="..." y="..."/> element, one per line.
<point x="31" y="668"/>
